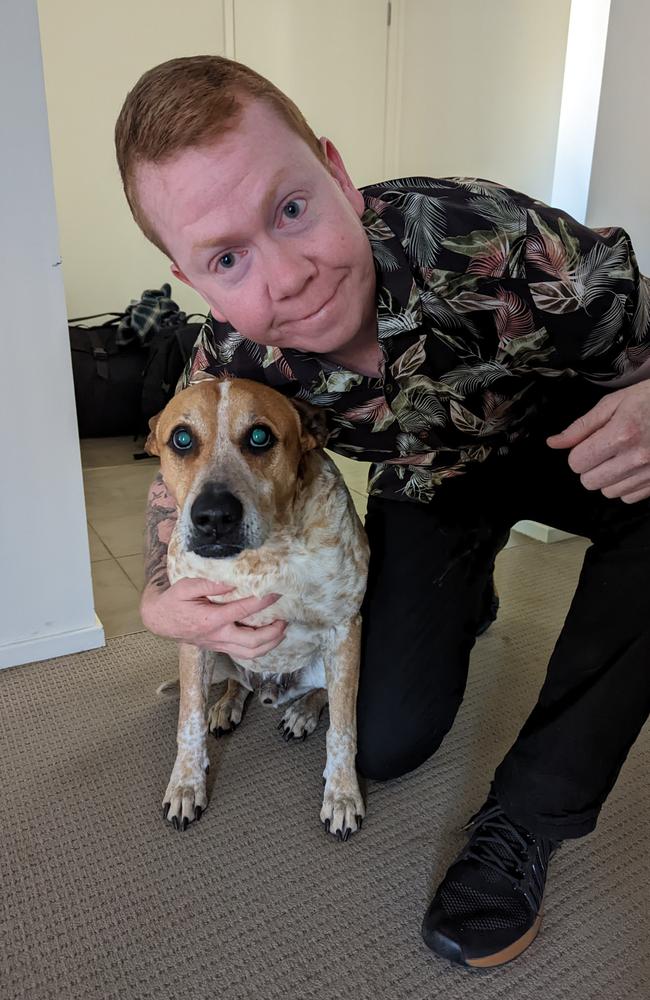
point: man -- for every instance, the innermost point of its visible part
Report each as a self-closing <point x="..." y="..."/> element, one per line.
<point x="449" y="327"/>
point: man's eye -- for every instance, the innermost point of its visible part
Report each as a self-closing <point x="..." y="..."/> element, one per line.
<point x="294" y="208"/>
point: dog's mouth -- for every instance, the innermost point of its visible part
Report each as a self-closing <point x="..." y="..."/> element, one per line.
<point x="217" y="550"/>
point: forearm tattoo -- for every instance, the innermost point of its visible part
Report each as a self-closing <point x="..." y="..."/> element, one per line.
<point x="160" y="520"/>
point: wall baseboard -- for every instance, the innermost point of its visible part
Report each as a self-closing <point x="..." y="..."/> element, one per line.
<point x="45" y="647"/>
<point x="541" y="532"/>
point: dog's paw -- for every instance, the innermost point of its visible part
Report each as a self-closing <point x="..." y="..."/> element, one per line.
<point x="225" y="715"/>
<point x="343" y="810"/>
<point x="185" y="799"/>
<point x="302" y="715"/>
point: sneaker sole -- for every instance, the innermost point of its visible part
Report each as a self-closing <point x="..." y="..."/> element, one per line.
<point x="449" y="949"/>
<point x="511" y="952"/>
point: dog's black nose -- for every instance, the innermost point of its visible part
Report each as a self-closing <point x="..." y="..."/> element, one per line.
<point x="215" y="512"/>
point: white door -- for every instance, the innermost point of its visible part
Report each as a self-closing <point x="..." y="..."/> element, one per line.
<point x="330" y="58"/>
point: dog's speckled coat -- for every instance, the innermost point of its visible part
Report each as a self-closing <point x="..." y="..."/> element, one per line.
<point x="301" y="538"/>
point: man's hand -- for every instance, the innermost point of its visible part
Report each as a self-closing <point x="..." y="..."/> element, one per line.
<point x="610" y="444"/>
<point x="183" y="612"/>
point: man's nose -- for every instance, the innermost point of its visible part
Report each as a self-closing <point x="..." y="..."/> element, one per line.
<point x="288" y="272"/>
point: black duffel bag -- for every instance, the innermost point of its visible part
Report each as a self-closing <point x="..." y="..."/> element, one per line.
<point x="108" y="379"/>
<point x="169" y="351"/>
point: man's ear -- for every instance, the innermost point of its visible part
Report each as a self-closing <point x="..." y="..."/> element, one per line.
<point x="313" y="424"/>
<point x="151" y="444"/>
<point x="176" y="271"/>
<point x="339" y="172"/>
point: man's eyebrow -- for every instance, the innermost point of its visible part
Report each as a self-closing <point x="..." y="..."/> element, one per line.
<point x="269" y="198"/>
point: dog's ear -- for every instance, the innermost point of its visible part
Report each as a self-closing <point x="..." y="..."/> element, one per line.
<point x="151" y="444"/>
<point x="313" y="423"/>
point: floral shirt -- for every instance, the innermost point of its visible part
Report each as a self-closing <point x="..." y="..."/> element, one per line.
<point x="482" y="294"/>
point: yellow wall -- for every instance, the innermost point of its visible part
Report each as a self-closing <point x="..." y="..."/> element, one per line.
<point x="93" y="52"/>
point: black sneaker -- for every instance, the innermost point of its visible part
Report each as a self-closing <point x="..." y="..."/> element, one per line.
<point x="488" y="908"/>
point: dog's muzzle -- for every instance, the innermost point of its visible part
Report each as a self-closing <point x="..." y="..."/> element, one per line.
<point x="217" y="524"/>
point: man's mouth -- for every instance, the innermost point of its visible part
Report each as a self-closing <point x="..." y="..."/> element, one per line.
<point x="315" y="313"/>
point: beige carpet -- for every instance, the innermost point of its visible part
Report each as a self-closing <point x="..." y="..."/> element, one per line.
<point x="102" y="899"/>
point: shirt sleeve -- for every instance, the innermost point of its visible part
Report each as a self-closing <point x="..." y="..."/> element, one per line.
<point x="588" y="295"/>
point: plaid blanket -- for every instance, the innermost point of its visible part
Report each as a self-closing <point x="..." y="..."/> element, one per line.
<point x="144" y="316"/>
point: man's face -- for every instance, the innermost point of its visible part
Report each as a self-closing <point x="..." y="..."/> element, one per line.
<point x="267" y="235"/>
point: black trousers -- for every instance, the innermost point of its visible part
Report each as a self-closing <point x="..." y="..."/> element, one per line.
<point x="430" y="565"/>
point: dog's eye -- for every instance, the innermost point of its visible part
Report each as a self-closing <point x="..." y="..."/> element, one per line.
<point x="182" y="439"/>
<point x="260" y="437"/>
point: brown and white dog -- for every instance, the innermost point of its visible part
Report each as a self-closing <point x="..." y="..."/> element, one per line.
<point x="261" y="507"/>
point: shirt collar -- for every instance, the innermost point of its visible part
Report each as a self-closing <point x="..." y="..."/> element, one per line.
<point x="399" y="308"/>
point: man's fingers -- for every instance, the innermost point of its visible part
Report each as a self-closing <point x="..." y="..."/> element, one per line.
<point x="584" y="426"/>
<point x="248" y="637"/>
<point x="246" y="642"/>
<point x="638" y="495"/>
<point x="614" y="472"/>
<point x="631" y="486"/>
<point x="236" y="611"/>
<point x="190" y="588"/>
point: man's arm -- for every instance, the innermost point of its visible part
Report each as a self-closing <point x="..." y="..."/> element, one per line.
<point x="160" y="520"/>
<point x="610" y="444"/>
<point x="594" y="305"/>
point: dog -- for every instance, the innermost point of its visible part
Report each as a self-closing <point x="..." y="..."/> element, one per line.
<point x="261" y="507"/>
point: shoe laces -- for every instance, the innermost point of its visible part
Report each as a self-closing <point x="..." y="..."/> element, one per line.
<point x="510" y="850"/>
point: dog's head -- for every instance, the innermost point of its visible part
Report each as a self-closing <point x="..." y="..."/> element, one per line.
<point x="232" y="454"/>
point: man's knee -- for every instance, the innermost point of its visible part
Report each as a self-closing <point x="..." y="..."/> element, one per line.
<point x="385" y="752"/>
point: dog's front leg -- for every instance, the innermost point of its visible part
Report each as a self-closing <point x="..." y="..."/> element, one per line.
<point x="343" y="808"/>
<point x="186" y="797"/>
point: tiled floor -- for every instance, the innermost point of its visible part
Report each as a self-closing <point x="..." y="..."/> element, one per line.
<point x="116" y="488"/>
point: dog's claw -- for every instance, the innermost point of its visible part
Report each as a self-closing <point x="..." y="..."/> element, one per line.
<point x="339" y="835"/>
<point x="359" y="820"/>
<point x="175" y="822"/>
<point x="327" y="826"/>
<point x="281" y="724"/>
<point x="198" y="812"/>
<point x="166" y="809"/>
<point x="185" y="824"/>
<point x="304" y="736"/>
<point x="207" y="769"/>
<point x="347" y="833"/>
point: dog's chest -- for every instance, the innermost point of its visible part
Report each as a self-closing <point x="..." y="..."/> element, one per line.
<point x="311" y="597"/>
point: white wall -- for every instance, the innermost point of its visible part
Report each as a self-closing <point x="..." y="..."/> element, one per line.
<point x="46" y="605"/>
<point x="619" y="194"/>
<point x="481" y="89"/>
<point x="93" y="53"/>
<point x="583" y="75"/>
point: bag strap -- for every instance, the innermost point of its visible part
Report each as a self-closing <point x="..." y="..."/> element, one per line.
<point x="100" y="353"/>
